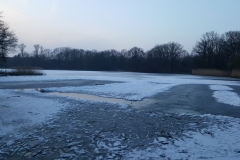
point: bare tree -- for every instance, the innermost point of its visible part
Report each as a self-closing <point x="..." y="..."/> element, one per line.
<point x="41" y="49"/>
<point x="36" y="46"/>
<point x="22" y="47"/>
<point x="219" y="52"/>
<point x="232" y="42"/>
<point x="207" y="48"/>
<point x="232" y="49"/>
<point x="8" y="40"/>
<point x="135" y="51"/>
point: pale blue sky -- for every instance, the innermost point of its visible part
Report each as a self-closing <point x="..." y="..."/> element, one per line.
<point x="118" y="24"/>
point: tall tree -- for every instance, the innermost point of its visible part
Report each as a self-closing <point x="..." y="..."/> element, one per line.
<point x="166" y="57"/>
<point x="22" y="47"/>
<point x="36" y="47"/>
<point x="136" y="56"/>
<point x="8" y="40"/>
<point x="206" y="49"/>
<point x="232" y="39"/>
<point x="231" y="49"/>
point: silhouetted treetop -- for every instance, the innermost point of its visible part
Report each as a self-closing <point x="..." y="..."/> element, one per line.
<point x="8" y="40"/>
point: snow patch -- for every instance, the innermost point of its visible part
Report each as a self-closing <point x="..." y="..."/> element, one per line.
<point x="227" y="97"/>
<point x="223" y="94"/>
<point x="220" y="88"/>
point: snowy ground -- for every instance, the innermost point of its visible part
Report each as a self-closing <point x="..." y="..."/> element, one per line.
<point x="40" y="125"/>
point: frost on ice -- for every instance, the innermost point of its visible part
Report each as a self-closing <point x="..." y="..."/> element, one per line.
<point x="215" y="142"/>
<point x="19" y="110"/>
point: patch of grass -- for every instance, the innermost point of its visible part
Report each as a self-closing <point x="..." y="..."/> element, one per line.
<point x="211" y="72"/>
<point x="20" y="71"/>
<point x="235" y="73"/>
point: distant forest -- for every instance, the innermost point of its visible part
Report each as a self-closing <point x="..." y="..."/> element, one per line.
<point x="212" y="51"/>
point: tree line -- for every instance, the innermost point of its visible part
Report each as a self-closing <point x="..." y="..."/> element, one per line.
<point x="212" y="51"/>
<point x="165" y="58"/>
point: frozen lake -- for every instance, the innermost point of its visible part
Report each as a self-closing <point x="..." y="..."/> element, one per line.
<point x="119" y="115"/>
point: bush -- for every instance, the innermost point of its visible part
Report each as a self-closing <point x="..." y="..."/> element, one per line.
<point x="235" y="73"/>
<point x="211" y="72"/>
<point x="27" y="70"/>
